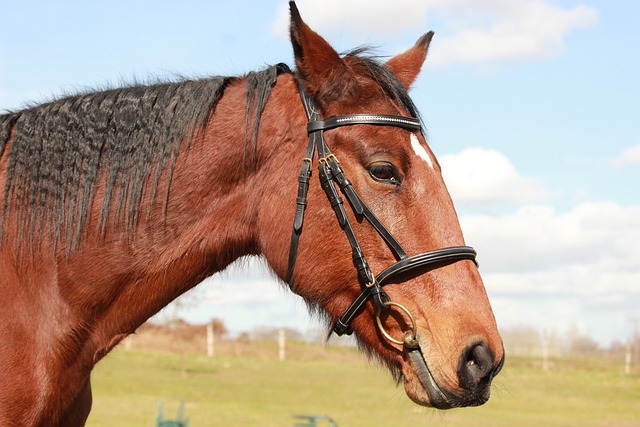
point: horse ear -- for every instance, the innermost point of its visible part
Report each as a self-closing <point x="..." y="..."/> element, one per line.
<point x="406" y="66"/>
<point x="323" y="72"/>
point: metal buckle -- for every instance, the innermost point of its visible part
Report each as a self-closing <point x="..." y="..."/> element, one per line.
<point x="324" y="161"/>
<point x="332" y="156"/>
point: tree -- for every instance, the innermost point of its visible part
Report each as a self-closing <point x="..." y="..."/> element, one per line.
<point x="219" y="328"/>
<point x="580" y="344"/>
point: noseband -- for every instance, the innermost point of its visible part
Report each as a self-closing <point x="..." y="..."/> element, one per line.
<point x="331" y="174"/>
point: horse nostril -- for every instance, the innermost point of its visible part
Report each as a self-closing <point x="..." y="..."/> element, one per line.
<point x="476" y="367"/>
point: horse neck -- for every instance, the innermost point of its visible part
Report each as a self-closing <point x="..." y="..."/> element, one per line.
<point x="73" y="307"/>
<point x="215" y="214"/>
<point x="231" y="182"/>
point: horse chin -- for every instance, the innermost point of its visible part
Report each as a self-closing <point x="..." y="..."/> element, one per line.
<point x="421" y="387"/>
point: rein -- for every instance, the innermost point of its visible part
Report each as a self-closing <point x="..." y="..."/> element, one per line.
<point x="331" y="174"/>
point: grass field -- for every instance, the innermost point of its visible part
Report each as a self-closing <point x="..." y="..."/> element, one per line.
<point x="262" y="391"/>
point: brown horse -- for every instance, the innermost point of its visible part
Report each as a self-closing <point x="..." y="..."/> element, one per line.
<point x="117" y="202"/>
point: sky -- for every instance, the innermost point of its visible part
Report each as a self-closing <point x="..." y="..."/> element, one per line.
<point x="532" y="108"/>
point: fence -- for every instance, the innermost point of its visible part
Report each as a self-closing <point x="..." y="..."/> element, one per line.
<point x="542" y="347"/>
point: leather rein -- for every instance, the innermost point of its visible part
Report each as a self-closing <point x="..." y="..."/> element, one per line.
<point x="331" y="174"/>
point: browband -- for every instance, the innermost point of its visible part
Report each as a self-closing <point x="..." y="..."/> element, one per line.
<point x="404" y="122"/>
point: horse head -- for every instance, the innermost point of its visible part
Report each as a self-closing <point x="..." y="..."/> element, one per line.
<point x="432" y="323"/>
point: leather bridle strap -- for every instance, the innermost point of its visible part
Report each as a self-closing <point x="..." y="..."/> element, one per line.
<point x="330" y="171"/>
<point x="330" y="174"/>
<point x="438" y="257"/>
<point x="303" y="185"/>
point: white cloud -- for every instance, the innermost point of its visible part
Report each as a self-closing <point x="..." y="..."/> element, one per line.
<point x="357" y="17"/>
<point x="592" y="236"/>
<point x="474" y="32"/>
<point x="497" y="31"/>
<point x="630" y="156"/>
<point x="537" y="260"/>
<point x="480" y="176"/>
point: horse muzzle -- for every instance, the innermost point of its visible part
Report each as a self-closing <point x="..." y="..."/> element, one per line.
<point x="477" y="366"/>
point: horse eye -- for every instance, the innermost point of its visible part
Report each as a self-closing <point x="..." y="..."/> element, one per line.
<point x="385" y="172"/>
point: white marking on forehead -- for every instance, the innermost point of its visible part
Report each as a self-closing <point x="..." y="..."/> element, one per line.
<point x="420" y="150"/>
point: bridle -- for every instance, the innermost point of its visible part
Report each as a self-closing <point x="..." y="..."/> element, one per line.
<point x="331" y="174"/>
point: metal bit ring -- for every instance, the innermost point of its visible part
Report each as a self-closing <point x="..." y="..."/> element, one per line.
<point x="410" y="337"/>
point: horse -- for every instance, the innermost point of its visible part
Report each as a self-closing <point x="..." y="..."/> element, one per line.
<point x="116" y="202"/>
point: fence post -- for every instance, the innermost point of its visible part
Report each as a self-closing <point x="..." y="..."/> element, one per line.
<point x="210" y="339"/>
<point x="282" y="342"/>
<point x="545" y="350"/>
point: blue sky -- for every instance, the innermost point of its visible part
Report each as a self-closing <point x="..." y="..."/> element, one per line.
<point x="531" y="106"/>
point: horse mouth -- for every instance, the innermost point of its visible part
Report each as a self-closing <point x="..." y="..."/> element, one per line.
<point x="441" y="398"/>
<point x="438" y="398"/>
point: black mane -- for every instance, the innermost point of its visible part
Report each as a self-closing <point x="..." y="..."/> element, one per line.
<point x="132" y="135"/>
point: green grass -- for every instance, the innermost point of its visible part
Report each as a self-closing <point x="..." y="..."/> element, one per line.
<point x="261" y="391"/>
